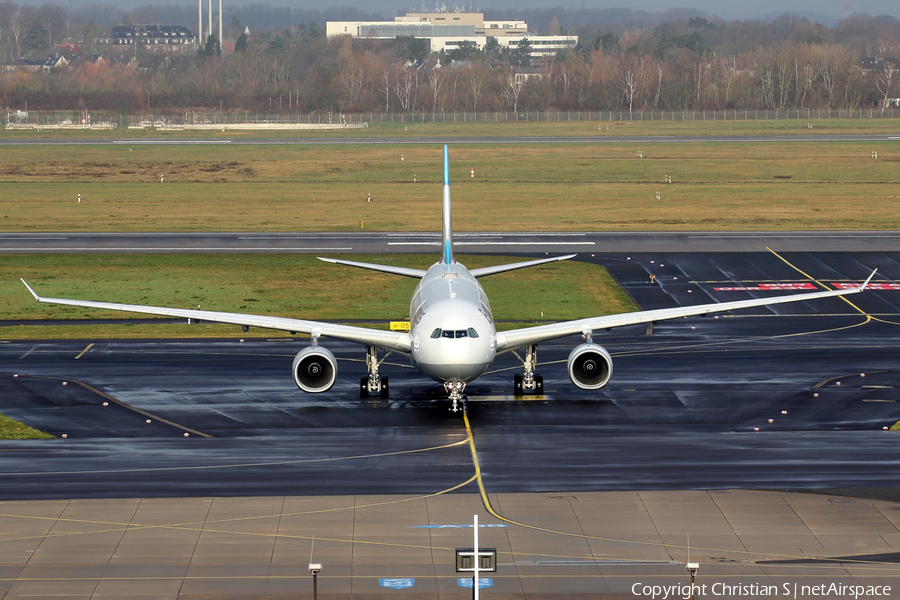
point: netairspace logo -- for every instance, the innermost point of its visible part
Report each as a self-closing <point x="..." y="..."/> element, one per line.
<point x="785" y="590"/>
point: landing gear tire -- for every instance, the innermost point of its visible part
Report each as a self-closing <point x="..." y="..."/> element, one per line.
<point x="517" y="385"/>
<point x="384" y="387"/>
<point x="364" y="387"/>
<point x="538" y="384"/>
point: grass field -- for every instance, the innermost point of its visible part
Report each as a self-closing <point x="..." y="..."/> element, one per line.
<point x="715" y="186"/>
<point x="13" y="430"/>
<point x="276" y="284"/>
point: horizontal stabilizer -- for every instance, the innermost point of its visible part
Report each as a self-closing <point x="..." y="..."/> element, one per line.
<point x="483" y="272"/>
<point x="417" y="273"/>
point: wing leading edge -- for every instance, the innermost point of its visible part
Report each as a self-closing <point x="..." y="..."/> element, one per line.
<point x="389" y="340"/>
<point x="516" y="338"/>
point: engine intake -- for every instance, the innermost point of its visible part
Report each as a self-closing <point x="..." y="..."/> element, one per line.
<point x="315" y="370"/>
<point x="590" y="366"/>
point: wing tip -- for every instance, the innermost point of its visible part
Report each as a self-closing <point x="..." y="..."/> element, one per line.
<point x="866" y="282"/>
<point x="33" y="293"/>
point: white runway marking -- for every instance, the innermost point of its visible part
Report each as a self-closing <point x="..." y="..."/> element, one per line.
<point x="176" y="142"/>
<point x="163" y="249"/>
<point x="494" y="243"/>
<point x="33" y="348"/>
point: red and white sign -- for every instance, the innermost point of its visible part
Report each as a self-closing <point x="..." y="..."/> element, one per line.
<point x="871" y="286"/>
<point x="768" y="287"/>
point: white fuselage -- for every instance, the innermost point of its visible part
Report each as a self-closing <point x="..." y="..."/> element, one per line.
<point x="452" y="331"/>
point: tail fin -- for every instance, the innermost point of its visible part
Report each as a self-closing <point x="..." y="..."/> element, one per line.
<point x="447" y="230"/>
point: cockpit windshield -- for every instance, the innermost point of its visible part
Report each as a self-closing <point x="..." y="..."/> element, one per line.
<point x="454" y="333"/>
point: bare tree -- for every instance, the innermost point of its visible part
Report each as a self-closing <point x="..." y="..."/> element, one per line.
<point x="854" y="88"/>
<point x="782" y="59"/>
<point x="562" y="75"/>
<point x="475" y="78"/>
<point x="632" y="78"/>
<point x="385" y="85"/>
<point x="407" y="85"/>
<point x="512" y="90"/>
<point x="765" y="74"/>
<point x="541" y="90"/>
<point x="885" y="81"/>
<point x="436" y="79"/>
<point x="804" y="74"/>
<point x="831" y="64"/>
<point x="887" y="41"/>
<point x="352" y="81"/>
<point x="11" y="30"/>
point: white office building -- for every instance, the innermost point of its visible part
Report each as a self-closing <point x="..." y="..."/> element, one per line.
<point x="446" y="30"/>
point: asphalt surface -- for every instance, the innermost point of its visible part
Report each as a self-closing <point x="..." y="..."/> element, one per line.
<point x="311" y="141"/>
<point x="464" y="242"/>
<point x="681" y="412"/>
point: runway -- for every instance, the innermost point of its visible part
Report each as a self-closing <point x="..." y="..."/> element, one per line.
<point x="430" y="140"/>
<point x="681" y="411"/>
<point x="364" y="242"/>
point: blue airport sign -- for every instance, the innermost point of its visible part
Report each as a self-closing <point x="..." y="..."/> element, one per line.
<point x="399" y="583"/>
<point x="483" y="582"/>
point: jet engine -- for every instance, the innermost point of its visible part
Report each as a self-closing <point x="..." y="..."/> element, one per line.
<point x="315" y="369"/>
<point x="590" y="366"/>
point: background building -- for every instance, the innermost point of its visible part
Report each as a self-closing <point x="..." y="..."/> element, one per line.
<point x="161" y="38"/>
<point x="447" y="30"/>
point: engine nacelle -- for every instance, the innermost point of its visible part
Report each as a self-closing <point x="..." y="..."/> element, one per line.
<point x="590" y="366"/>
<point x="315" y="369"/>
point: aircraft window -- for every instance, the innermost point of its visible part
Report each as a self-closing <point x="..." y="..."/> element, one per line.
<point x="451" y="334"/>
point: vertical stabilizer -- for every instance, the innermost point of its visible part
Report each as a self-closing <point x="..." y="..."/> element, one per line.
<point x="447" y="230"/>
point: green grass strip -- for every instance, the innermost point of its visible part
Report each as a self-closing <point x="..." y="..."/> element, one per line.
<point x="10" y="429"/>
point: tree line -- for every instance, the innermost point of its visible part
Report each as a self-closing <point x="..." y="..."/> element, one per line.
<point x="683" y="63"/>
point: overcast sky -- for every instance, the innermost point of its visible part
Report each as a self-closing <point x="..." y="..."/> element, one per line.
<point x="827" y="11"/>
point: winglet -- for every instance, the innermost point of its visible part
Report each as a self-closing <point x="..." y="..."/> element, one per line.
<point x="865" y="283"/>
<point x="33" y="293"/>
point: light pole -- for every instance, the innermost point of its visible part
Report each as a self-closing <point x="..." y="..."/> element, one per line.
<point x="314" y="568"/>
<point x="476" y="560"/>
<point x="692" y="568"/>
<point x="475" y="579"/>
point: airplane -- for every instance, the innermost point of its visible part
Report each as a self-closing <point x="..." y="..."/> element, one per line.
<point x="452" y="338"/>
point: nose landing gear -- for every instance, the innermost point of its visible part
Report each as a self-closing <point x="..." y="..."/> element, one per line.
<point x="455" y="389"/>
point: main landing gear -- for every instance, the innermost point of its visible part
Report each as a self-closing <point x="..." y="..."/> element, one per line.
<point x="372" y="384"/>
<point x="529" y="382"/>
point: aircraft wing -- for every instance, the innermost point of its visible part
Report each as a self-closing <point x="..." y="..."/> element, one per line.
<point x="388" y="340"/>
<point x="516" y="338"/>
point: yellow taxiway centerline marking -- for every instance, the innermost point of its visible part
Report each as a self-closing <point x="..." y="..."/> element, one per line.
<point x="487" y="505"/>
<point x="89" y="346"/>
